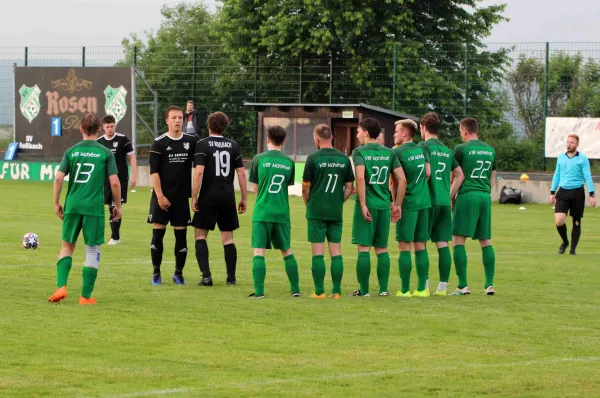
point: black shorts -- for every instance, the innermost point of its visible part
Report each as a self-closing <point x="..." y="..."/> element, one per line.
<point x="108" y="197"/>
<point x="178" y="214"/>
<point x="570" y="201"/>
<point x="222" y="214"/>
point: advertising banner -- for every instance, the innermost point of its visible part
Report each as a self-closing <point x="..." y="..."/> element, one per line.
<point x="558" y="128"/>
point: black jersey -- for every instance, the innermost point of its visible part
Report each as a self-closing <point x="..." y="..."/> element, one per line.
<point x="220" y="157"/>
<point x="173" y="159"/>
<point x="120" y="146"/>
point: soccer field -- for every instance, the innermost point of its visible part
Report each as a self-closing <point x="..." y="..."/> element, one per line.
<point x="539" y="336"/>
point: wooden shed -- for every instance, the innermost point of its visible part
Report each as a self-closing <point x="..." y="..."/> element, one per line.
<point x="300" y="119"/>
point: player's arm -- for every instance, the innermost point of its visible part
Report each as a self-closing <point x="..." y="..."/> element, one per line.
<point x="587" y="175"/>
<point x="361" y="189"/>
<point x="115" y="185"/>
<point x="307" y="177"/>
<point x="348" y="182"/>
<point x="196" y="183"/>
<point x="555" y="182"/>
<point x="254" y="175"/>
<point x="427" y="170"/>
<point x="58" y="183"/>
<point x="399" y="184"/>
<point x="241" y="173"/>
<point x="132" y="163"/>
<point x="155" y="162"/>
<point x="457" y="179"/>
<point x="305" y="191"/>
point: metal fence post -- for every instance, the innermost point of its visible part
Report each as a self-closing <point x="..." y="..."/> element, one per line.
<point x="331" y="76"/>
<point x="135" y="56"/>
<point x="300" y="96"/>
<point x="83" y="57"/>
<point x="194" y="73"/>
<point x="466" y="104"/>
<point x="256" y="77"/>
<point x="546" y="100"/>
<point x="26" y="55"/>
<point x="394" y="85"/>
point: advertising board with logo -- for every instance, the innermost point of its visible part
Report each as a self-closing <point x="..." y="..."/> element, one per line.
<point x="50" y="102"/>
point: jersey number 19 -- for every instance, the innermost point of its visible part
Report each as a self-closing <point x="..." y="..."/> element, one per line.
<point x="222" y="164"/>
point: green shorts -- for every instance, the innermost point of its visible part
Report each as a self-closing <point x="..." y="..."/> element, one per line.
<point x="375" y="233"/>
<point x="473" y="215"/>
<point x="93" y="229"/>
<point x="319" y="229"/>
<point x="267" y="235"/>
<point x="413" y="226"/>
<point x="440" y="223"/>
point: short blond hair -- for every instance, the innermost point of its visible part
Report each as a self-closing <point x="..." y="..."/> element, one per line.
<point x="574" y="136"/>
<point x="409" y="124"/>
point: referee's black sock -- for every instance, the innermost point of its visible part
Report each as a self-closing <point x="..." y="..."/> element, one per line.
<point x="180" y="250"/>
<point x="575" y="234"/>
<point x="230" y="261"/>
<point x="156" y="249"/>
<point x="202" y="257"/>
<point x="562" y="231"/>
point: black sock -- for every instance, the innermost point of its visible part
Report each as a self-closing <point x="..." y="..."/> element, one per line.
<point x="202" y="257"/>
<point x="575" y="234"/>
<point x="180" y="250"/>
<point x="156" y="249"/>
<point x="115" y="227"/>
<point x="230" y="261"/>
<point x="562" y="231"/>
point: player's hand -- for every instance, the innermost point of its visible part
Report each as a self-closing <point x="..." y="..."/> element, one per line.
<point x="132" y="182"/>
<point x="396" y="213"/>
<point x="58" y="209"/>
<point x="242" y="207"/>
<point x="164" y="203"/>
<point x="552" y="199"/>
<point x="366" y="214"/>
<point x="194" y="205"/>
<point x="593" y="201"/>
<point x="117" y="213"/>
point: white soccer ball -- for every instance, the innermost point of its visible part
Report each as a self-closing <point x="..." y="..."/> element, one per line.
<point x="30" y="241"/>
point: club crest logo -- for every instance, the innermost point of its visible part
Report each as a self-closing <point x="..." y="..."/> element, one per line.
<point x="116" y="102"/>
<point x="115" y="144"/>
<point x="30" y="101"/>
<point x="186" y="145"/>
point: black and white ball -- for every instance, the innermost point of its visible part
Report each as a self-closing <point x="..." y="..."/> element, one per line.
<point x="30" y="241"/>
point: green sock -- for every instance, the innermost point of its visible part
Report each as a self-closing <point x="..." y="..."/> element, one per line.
<point x="422" y="266"/>
<point x="363" y="271"/>
<point x="318" y="273"/>
<point x="291" y="269"/>
<point x="405" y="265"/>
<point x="445" y="263"/>
<point x="460" y="263"/>
<point x="489" y="264"/>
<point x="383" y="271"/>
<point x="337" y="271"/>
<point x="89" y="280"/>
<point x="259" y="271"/>
<point x="63" y="266"/>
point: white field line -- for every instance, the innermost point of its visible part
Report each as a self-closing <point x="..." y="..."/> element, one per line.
<point x="358" y="375"/>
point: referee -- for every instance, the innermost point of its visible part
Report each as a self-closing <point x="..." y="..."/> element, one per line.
<point x="572" y="171"/>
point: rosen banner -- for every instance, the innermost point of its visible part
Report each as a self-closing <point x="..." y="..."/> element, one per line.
<point x="558" y="128"/>
<point x="50" y="103"/>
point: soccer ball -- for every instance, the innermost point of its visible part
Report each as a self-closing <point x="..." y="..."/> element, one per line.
<point x="30" y="241"/>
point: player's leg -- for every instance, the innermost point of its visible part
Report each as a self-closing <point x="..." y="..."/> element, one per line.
<point x="317" y="230"/>
<point x="405" y="234"/>
<point x="577" y="214"/>
<point x="228" y="222"/>
<point x="362" y="236"/>
<point x="281" y="237"/>
<point x="93" y="235"/>
<point x="334" y="239"/>
<point x="180" y="219"/>
<point x="115" y="225"/>
<point x="261" y="233"/>
<point x="204" y="220"/>
<point x="466" y="216"/>
<point x="421" y="236"/>
<point x="71" y="227"/>
<point x="483" y="233"/>
<point x="441" y="233"/>
<point x="561" y="208"/>
<point x="381" y="238"/>
<point x="159" y="219"/>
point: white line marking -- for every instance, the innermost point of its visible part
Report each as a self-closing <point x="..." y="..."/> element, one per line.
<point x="356" y="375"/>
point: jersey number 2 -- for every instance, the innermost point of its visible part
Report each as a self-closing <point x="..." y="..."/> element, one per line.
<point x="222" y="165"/>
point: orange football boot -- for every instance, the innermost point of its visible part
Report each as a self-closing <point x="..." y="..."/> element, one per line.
<point x="84" y="301"/>
<point x="59" y="294"/>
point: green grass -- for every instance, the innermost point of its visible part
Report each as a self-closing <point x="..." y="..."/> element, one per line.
<point x="539" y="336"/>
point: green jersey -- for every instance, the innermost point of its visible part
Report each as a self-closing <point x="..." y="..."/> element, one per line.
<point x="413" y="163"/>
<point x="379" y="162"/>
<point x="88" y="164"/>
<point x="477" y="160"/>
<point x="273" y="172"/>
<point x="442" y="162"/>
<point x="327" y="170"/>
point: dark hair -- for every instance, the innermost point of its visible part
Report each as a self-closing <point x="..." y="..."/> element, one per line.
<point x="469" y="124"/>
<point x="323" y="131"/>
<point x="190" y="102"/>
<point x="432" y="121"/>
<point x="172" y="108"/>
<point x="90" y="124"/>
<point x="217" y="122"/>
<point x="372" y="126"/>
<point x="108" y="119"/>
<point x="276" y="135"/>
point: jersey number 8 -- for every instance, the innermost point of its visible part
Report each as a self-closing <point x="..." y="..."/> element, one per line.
<point x="276" y="183"/>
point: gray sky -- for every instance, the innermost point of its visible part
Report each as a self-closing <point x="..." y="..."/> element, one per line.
<point x="106" y="22"/>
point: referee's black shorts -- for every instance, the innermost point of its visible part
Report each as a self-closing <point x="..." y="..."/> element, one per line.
<point x="571" y="202"/>
<point x="224" y="214"/>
